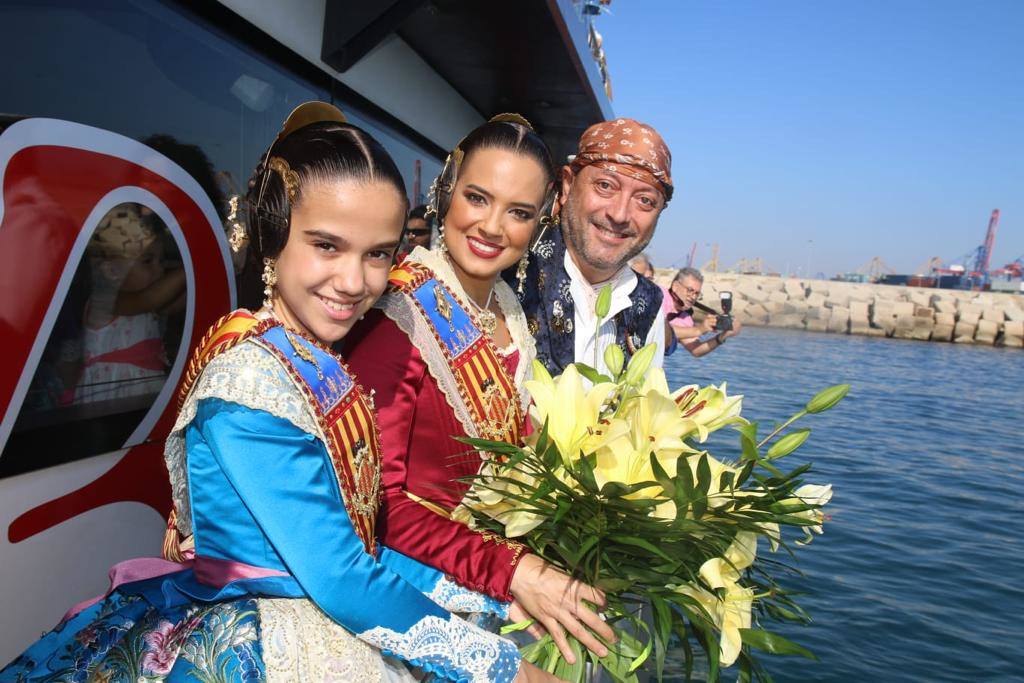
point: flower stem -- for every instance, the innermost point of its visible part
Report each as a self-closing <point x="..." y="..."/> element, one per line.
<point x="781" y="427"/>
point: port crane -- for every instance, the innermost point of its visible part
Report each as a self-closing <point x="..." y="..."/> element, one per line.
<point x="875" y="269"/>
<point x="977" y="261"/>
<point x="712" y="265"/>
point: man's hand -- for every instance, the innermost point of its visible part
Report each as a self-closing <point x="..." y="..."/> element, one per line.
<point x="555" y="600"/>
<point x="708" y="323"/>
<point x="736" y="327"/>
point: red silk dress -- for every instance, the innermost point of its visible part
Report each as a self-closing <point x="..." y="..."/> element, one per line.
<point x="421" y="457"/>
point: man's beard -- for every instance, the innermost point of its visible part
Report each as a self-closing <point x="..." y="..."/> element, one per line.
<point x="575" y="232"/>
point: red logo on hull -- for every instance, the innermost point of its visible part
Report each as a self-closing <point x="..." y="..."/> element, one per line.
<point x="55" y="174"/>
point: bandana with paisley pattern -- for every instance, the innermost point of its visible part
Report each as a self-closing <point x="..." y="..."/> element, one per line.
<point x="630" y="148"/>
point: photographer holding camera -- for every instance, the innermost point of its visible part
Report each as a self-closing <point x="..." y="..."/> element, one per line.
<point x="685" y="292"/>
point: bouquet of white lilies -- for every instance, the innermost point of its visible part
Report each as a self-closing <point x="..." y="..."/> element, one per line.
<point x="615" y="487"/>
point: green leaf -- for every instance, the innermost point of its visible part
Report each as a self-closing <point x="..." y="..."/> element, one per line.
<point x="661" y="476"/>
<point x="604" y="302"/>
<point x="745" y="473"/>
<point x="591" y="374"/>
<point x="518" y="626"/>
<point x="662" y="632"/>
<point x="564" y="506"/>
<point x="773" y="643"/>
<point x="787" y="444"/>
<point x="610" y="585"/>
<point x="565" y="671"/>
<point x="585" y="474"/>
<point x="748" y="430"/>
<point x="700" y="499"/>
<point x="641" y="543"/>
<point x="827" y="398"/>
<point x="498" y="447"/>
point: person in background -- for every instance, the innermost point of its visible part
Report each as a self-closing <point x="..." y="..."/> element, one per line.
<point x="685" y="291"/>
<point x="417" y="229"/>
<point x="642" y="266"/>
<point x="122" y="347"/>
<point x="611" y="195"/>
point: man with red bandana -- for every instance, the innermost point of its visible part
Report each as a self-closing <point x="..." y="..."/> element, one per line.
<point x="612" y="193"/>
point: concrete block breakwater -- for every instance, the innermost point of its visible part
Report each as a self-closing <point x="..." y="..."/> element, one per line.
<point x="990" y="318"/>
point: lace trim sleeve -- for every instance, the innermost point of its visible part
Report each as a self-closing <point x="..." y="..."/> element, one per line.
<point x="454" y="649"/>
<point x="249" y="376"/>
<point x="454" y="598"/>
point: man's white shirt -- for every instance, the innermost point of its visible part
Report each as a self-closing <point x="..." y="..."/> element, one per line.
<point x="584" y="297"/>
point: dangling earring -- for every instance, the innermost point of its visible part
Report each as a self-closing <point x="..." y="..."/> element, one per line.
<point x="269" y="279"/>
<point x="442" y="247"/>
<point x="524" y="261"/>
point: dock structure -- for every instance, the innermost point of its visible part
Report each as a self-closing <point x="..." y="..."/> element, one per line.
<point x="917" y="313"/>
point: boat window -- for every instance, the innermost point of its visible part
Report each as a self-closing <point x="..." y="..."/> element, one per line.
<point x="159" y="74"/>
<point x="106" y="359"/>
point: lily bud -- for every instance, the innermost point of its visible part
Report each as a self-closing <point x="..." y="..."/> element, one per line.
<point x="604" y="302"/>
<point x="639" y="364"/>
<point x="614" y="359"/>
<point x="827" y="398"/>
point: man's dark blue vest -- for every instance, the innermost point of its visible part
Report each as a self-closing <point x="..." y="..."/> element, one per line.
<point x="550" y="312"/>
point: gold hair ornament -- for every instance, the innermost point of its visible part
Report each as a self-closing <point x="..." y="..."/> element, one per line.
<point x="308" y="113"/>
<point x="444" y="184"/>
<point x="238" y="238"/>
<point x="511" y="117"/>
<point x="289" y="177"/>
<point x="303" y="115"/>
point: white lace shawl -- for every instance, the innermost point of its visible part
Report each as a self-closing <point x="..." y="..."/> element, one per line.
<point x="399" y="309"/>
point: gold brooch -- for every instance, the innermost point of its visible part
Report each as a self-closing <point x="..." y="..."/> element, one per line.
<point x="444" y="309"/>
<point x="305" y="354"/>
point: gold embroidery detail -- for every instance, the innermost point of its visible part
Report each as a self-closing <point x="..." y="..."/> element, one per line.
<point x="499" y="412"/>
<point x="516" y="548"/>
<point x="305" y="354"/>
<point x="444" y="308"/>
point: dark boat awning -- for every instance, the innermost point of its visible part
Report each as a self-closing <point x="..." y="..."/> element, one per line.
<point x="525" y="56"/>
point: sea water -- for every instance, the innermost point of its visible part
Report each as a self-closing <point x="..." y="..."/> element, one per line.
<point x="919" y="575"/>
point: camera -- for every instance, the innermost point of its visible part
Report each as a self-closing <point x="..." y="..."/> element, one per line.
<point x="724" y="321"/>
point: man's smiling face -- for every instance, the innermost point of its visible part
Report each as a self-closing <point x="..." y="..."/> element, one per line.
<point x="609" y="218"/>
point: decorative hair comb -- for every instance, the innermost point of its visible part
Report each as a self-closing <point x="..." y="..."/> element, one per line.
<point x="511" y="117"/>
<point x="308" y="113"/>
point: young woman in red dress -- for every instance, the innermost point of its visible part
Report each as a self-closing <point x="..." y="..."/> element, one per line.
<point x="446" y="351"/>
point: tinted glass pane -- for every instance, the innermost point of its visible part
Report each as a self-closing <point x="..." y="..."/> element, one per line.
<point x="156" y="73"/>
<point x="107" y="357"/>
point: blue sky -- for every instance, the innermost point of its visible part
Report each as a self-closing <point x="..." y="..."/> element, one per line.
<point x="867" y="128"/>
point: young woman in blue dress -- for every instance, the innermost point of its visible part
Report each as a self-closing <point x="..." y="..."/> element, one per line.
<point x="272" y="569"/>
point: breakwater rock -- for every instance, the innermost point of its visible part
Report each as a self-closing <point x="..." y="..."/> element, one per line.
<point x="991" y="318"/>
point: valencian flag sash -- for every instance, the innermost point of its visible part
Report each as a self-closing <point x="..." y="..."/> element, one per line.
<point x="482" y="380"/>
<point x="342" y="410"/>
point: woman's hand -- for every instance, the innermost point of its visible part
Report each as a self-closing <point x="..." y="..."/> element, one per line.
<point x="555" y="600"/>
<point x="529" y="673"/>
<point x="516" y="614"/>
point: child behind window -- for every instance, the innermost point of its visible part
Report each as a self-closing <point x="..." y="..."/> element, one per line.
<point x="122" y="351"/>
